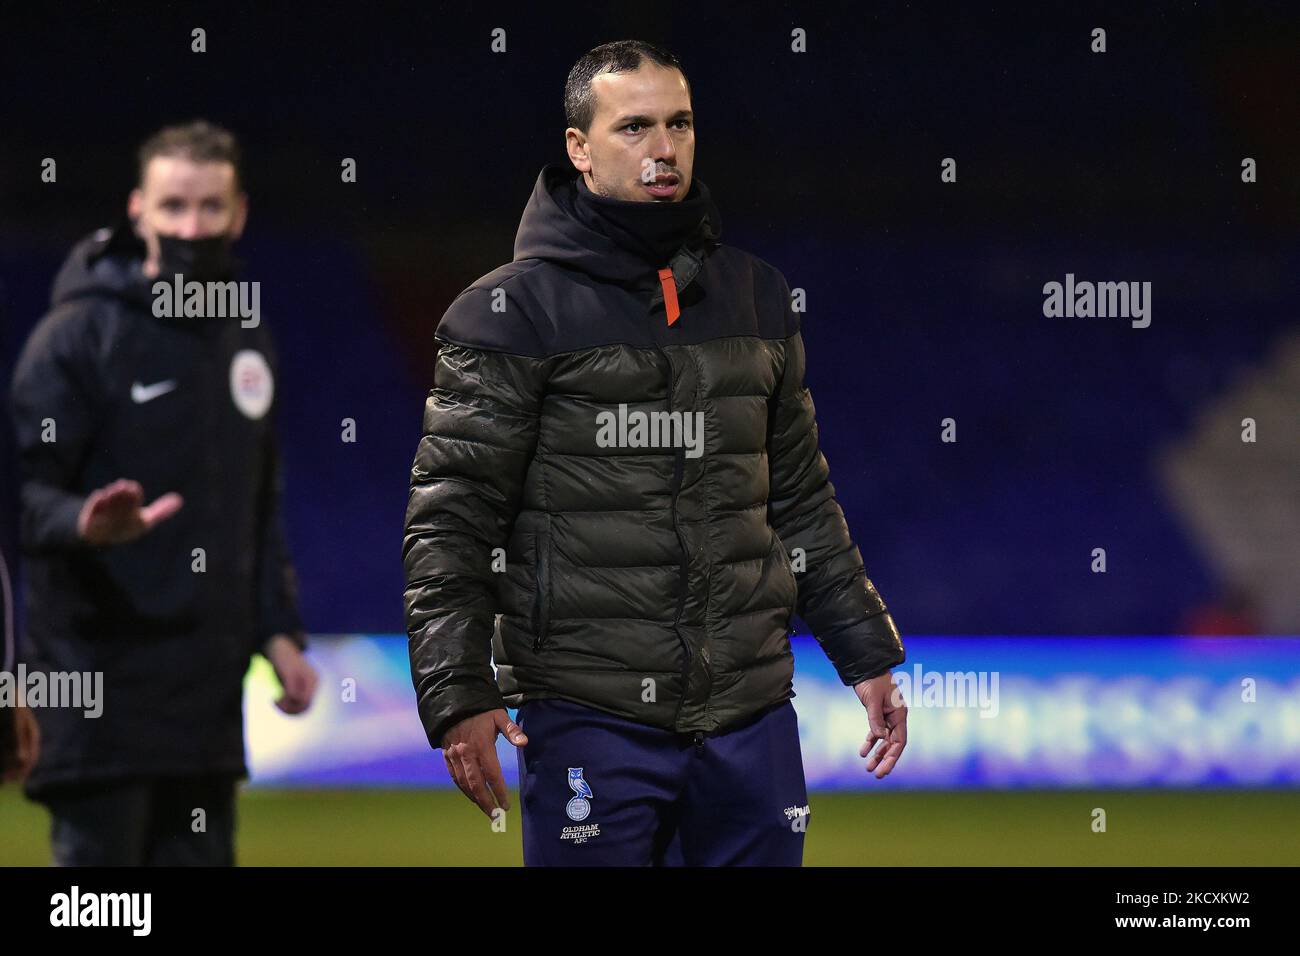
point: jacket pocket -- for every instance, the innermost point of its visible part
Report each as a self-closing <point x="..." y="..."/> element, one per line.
<point x="542" y="594"/>
<point x="788" y="564"/>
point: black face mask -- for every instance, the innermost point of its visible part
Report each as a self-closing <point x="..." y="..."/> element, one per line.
<point x="653" y="230"/>
<point x="200" y="260"/>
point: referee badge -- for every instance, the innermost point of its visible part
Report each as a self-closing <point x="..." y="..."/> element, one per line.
<point x="251" y="385"/>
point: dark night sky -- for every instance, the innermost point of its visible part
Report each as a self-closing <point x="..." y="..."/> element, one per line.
<point x="925" y="297"/>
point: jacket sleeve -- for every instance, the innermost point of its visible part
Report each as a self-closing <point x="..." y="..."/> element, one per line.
<point x="277" y="602"/>
<point x="55" y="392"/>
<point x="479" y="433"/>
<point x="836" y="598"/>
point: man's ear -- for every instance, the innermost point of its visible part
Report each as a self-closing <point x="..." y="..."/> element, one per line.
<point x="134" y="208"/>
<point x="575" y="144"/>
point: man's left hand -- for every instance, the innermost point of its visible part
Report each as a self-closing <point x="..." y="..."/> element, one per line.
<point x="887" y="718"/>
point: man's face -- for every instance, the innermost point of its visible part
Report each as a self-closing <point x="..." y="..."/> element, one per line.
<point x="642" y="140"/>
<point x="188" y="200"/>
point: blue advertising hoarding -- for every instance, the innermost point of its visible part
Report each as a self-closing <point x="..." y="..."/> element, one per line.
<point x="983" y="713"/>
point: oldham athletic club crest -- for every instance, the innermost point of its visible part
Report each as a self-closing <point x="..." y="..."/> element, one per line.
<point x="578" y="808"/>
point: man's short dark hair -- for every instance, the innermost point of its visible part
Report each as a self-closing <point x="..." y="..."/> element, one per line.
<point x="621" y="56"/>
<point x="198" y="141"/>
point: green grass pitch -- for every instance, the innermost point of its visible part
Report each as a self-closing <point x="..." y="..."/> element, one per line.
<point x="971" y="828"/>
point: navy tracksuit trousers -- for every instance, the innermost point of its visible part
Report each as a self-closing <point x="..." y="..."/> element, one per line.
<point x="600" y="790"/>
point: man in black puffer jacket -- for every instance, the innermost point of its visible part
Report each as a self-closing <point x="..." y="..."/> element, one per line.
<point x="117" y="401"/>
<point x="620" y="498"/>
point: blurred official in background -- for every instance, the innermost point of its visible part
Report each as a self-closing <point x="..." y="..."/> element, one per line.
<point x="150" y="496"/>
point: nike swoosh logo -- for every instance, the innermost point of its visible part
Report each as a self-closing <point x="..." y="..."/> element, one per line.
<point x="145" y="393"/>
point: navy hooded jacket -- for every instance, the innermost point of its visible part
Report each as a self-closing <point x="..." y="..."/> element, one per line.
<point x="103" y="390"/>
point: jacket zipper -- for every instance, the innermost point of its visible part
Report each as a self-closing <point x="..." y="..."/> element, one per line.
<point x="679" y="464"/>
<point x="684" y="573"/>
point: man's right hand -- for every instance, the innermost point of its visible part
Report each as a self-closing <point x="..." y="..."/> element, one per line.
<point x="21" y="752"/>
<point x="114" y="514"/>
<point x="470" y="749"/>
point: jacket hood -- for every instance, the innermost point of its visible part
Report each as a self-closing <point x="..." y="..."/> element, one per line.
<point x="551" y="229"/>
<point x="105" y="263"/>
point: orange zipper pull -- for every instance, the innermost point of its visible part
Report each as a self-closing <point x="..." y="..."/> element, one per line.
<point x="670" y="295"/>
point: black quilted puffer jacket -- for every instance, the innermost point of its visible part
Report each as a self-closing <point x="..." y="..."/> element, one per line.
<point x="649" y="572"/>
